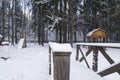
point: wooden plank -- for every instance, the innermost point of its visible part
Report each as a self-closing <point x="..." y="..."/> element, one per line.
<point x="106" y="55"/>
<point x="87" y="53"/>
<point x="112" y="69"/>
<point x="84" y="58"/>
<point x="61" y="66"/>
<point x="109" y="45"/>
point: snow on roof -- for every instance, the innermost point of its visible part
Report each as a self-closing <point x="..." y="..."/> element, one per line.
<point x="91" y="32"/>
<point x="57" y="47"/>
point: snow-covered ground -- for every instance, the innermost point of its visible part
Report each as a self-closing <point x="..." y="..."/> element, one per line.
<point x="32" y="63"/>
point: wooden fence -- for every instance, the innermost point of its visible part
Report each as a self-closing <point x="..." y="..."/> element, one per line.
<point x="95" y="47"/>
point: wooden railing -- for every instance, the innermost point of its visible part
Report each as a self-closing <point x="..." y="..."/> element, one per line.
<point x="113" y="68"/>
<point x="95" y="47"/>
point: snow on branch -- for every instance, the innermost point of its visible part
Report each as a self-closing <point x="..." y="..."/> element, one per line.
<point x="55" y="20"/>
<point x="42" y="2"/>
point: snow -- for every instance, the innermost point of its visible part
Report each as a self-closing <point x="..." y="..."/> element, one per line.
<point x="42" y="2"/>
<point x="116" y="63"/>
<point x="26" y="64"/>
<point x="4" y="50"/>
<point x="55" y="20"/>
<point x="57" y="47"/>
<point x="20" y="44"/>
<point x="5" y="43"/>
<point x="32" y="63"/>
<point x="117" y="45"/>
<point x="91" y="32"/>
<point x="1" y="36"/>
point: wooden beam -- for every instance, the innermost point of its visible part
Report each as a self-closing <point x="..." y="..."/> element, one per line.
<point x="84" y="58"/>
<point x="112" y="69"/>
<point x="87" y="53"/>
<point x="106" y="55"/>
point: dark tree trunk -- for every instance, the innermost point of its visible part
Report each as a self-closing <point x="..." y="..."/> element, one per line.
<point x="13" y="22"/>
<point x="3" y="19"/>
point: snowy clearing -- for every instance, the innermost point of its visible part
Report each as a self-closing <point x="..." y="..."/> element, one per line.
<point x="32" y="63"/>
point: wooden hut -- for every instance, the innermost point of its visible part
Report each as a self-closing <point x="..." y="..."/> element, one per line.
<point x="97" y="35"/>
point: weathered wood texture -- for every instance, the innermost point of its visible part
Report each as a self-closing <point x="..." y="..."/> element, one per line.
<point x="84" y="57"/>
<point x="49" y="60"/>
<point x="61" y="61"/>
<point x="77" y="52"/>
<point x="87" y="53"/>
<point x="115" y="68"/>
<point x="95" y="59"/>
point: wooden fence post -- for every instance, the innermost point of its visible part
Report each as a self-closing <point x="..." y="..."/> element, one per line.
<point x="61" y="61"/>
<point x="77" y="52"/>
<point x="95" y="59"/>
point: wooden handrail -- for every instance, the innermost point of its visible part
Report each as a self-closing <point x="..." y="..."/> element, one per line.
<point x="113" y="68"/>
<point x="95" y="47"/>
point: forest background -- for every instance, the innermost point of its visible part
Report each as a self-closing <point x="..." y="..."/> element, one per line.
<point x="58" y="20"/>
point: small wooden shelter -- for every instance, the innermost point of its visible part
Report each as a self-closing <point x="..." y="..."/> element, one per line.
<point x="97" y="35"/>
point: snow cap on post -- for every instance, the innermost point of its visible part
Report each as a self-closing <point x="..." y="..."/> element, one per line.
<point x="5" y="43"/>
<point x="57" y="47"/>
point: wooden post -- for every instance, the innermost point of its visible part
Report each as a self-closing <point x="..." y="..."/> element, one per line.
<point x="77" y="52"/>
<point x="95" y="59"/>
<point x="49" y="60"/>
<point x="61" y="61"/>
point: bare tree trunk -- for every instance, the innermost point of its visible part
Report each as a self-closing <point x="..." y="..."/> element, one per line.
<point x="13" y="22"/>
<point x="60" y="24"/>
<point x="71" y="13"/>
<point x="65" y="22"/>
<point x="56" y="13"/>
<point x="9" y="25"/>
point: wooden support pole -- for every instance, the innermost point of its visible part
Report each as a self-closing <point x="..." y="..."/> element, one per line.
<point x="77" y="52"/>
<point x="61" y="61"/>
<point x="49" y="60"/>
<point x="95" y="59"/>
